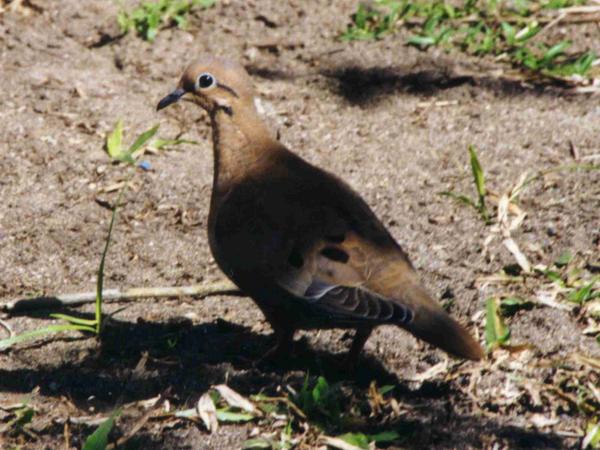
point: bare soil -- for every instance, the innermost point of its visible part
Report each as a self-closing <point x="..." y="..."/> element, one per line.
<point x="391" y="120"/>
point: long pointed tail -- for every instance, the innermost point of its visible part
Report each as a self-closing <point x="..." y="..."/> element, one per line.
<point x="432" y="324"/>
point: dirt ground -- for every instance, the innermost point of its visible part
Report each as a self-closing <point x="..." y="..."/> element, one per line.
<point x="391" y="120"/>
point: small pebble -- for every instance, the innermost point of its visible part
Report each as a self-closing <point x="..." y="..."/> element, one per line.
<point x="144" y="165"/>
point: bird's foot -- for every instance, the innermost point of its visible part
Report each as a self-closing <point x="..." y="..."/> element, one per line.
<point x="349" y="363"/>
<point x="280" y="354"/>
<point x="277" y="355"/>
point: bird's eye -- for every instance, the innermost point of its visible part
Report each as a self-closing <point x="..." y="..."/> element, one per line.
<point x="205" y="80"/>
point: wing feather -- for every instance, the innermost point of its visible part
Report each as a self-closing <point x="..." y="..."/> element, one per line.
<point x="344" y="279"/>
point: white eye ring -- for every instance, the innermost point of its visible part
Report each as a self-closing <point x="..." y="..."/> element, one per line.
<point x="206" y="80"/>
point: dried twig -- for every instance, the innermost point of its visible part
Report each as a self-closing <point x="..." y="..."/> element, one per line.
<point x="567" y="16"/>
<point x="7" y="327"/>
<point x="67" y="435"/>
<point x="287" y="402"/>
<point x="552" y="23"/>
<point x="82" y="420"/>
<point x="61" y="300"/>
<point x="139" y="424"/>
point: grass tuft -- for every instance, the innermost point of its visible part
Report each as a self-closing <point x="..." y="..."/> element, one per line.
<point x="508" y="31"/>
<point x="149" y="17"/>
<point x="479" y="182"/>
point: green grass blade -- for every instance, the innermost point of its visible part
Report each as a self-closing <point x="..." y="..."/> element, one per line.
<point x="124" y="22"/>
<point x="583" y="294"/>
<point x="592" y="437"/>
<point x="74" y="320"/>
<point x="477" y="172"/>
<point x="555" y="51"/>
<point x="496" y="333"/>
<point x="23" y="418"/>
<point x="83" y="328"/>
<point x="5" y="343"/>
<point x="98" y="440"/>
<point x="203" y="3"/>
<point x="564" y="259"/>
<point x="160" y="143"/>
<point x="509" y="32"/>
<point x="100" y="277"/>
<point x="142" y="139"/>
<point x="555" y="277"/>
<point x="232" y="416"/>
<point x="459" y="197"/>
<point x="529" y="31"/>
<point x="114" y="141"/>
<point x="386" y="388"/>
<point x="421" y="41"/>
<point x="359" y="440"/>
<point x="479" y="179"/>
<point x="384" y="436"/>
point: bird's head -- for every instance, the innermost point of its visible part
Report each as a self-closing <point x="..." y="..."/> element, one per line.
<point x="214" y="84"/>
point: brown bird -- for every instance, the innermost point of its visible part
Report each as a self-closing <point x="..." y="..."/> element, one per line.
<point x="297" y="239"/>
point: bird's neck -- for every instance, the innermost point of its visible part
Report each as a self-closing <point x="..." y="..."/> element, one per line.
<point x="240" y="141"/>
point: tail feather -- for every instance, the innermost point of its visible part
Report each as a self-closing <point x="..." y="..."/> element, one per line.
<point x="435" y="326"/>
<point x="441" y="330"/>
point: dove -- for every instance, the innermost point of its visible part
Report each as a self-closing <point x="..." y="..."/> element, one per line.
<point x="297" y="239"/>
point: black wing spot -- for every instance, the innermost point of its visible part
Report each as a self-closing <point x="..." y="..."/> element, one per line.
<point x="296" y="259"/>
<point x="336" y="238"/>
<point x="335" y="254"/>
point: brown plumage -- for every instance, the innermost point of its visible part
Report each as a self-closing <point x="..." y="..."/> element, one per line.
<point x="298" y="240"/>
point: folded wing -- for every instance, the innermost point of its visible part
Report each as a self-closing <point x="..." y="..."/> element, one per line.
<point x="357" y="282"/>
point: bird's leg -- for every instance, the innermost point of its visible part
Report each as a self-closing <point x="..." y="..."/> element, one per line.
<point x="284" y="340"/>
<point x="360" y="337"/>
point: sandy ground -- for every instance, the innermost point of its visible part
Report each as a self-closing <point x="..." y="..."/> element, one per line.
<point x="392" y="121"/>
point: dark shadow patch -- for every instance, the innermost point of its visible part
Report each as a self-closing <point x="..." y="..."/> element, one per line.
<point x="336" y="238"/>
<point x="270" y="74"/>
<point x="178" y="352"/>
<point x="296" y="259"/>
<point x="184" y="360"/>
<point x="364" y="86"/>
<point x="335" y="254"/>
<point x="361" y="85"/>
<point x="106" y="39"/>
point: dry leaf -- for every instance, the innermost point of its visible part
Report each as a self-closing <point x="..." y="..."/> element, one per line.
<point x="207" y="412"/>
<point x="517" y="348"/>
<point x="540" y="421"/>
<point x="586" y="360"/>
<point x="522" y="261"/>
<point x="548" y="298"/>
<point x="432" y="372"/>
<point x="339" y="443"/>
<point x="235" y="400"/>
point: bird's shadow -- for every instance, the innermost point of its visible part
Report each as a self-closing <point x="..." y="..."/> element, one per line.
<point x="136" y="361"/>
<point x="366" y="86"/>
<point x="177" y="351"/>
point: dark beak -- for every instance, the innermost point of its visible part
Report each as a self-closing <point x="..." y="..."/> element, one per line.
<point x="171" y="98"/>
